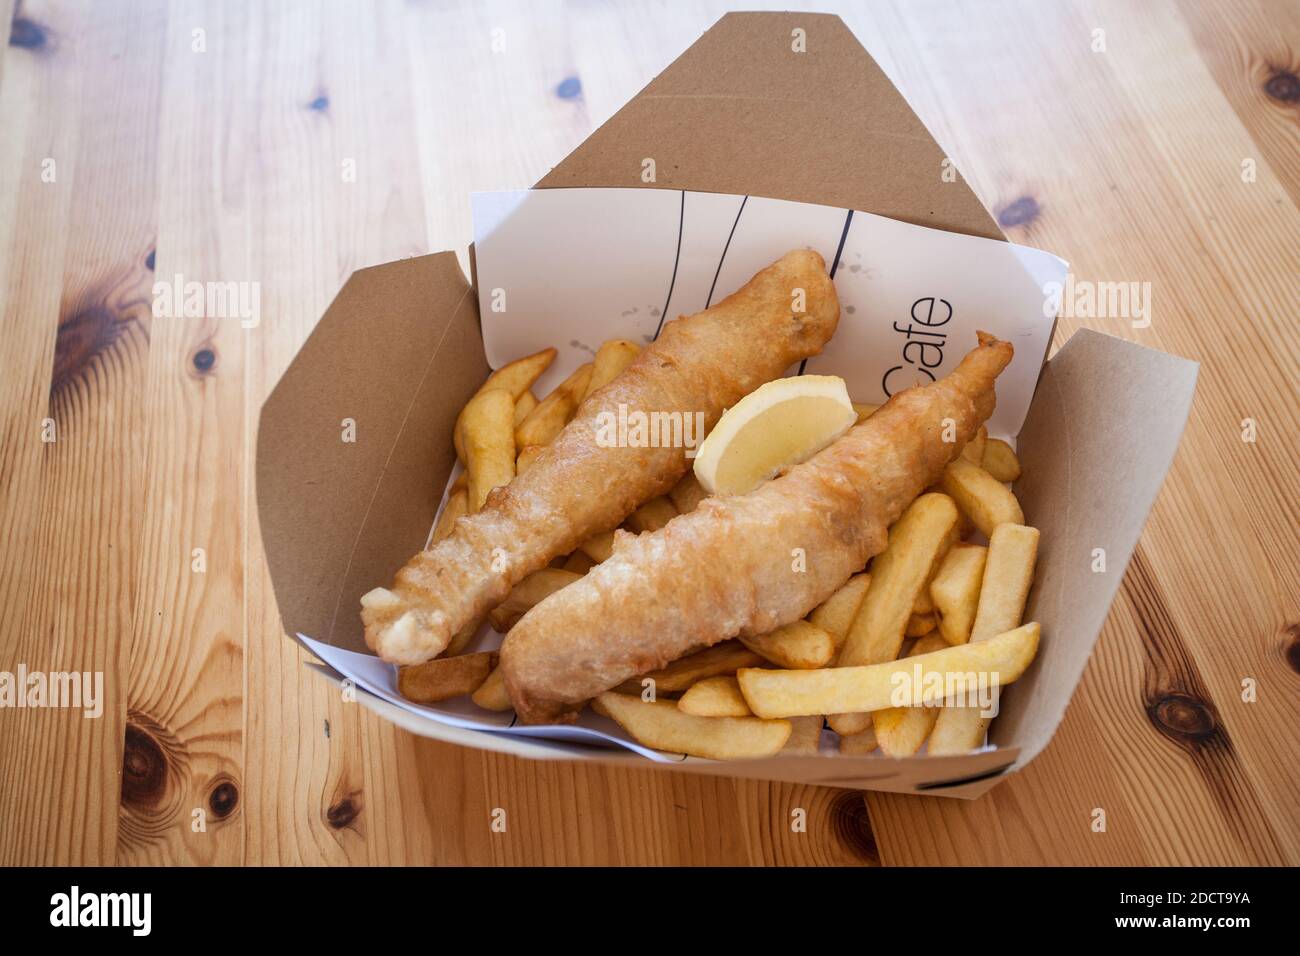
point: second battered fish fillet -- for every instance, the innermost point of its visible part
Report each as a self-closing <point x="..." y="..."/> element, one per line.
<point x="579" y="486"/>
<point x="731" y="567"/>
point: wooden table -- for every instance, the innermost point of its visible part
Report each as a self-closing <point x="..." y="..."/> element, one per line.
<point x="142" y="139"/>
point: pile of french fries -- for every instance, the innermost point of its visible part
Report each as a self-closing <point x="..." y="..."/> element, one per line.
<point x="945" y="597"/>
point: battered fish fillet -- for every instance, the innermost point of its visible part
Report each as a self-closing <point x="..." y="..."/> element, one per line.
<point x="575" y="488"/>
<point x="730" y="567"/>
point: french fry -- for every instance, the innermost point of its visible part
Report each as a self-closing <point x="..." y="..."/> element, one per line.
<point x="714" y="697"/>
<point x="611" y="358"/>
<point x="553" y="412"/>
<point x="956" y="591"/>
<point x="1000" y="461"/>
<point x="835" y="615"/>
<point x="599" y="547"/>
<point x="805" y="738"/>
<point x="457" y="505"/>
<point x="578" y="562"/>
<point x="462" y="639"/>
<point x="723" y="658"/>
<point x="444" y="677"/>
<point x="965" y="527"/>
<point x="864" y="411"/>
<point x="532" y="590"/>
<point x="489" y="443"/>
<point x="524" y="404"/>
<point x="519" y="376"/>
<point x="897" y="574"/>
<point x="515" y="377"/>
<point x="687" y="493"/>
<point x="491" y="694"/>
<point x="652" y="515"/>
<point x="661" y="725"/>
<point x="974" y="450"/>
<point x="981" y="497"/>
<point x="798" y="646"/>
<point x="924" y="604"/>
<point x="772" y="694"/>
<point x="855" y="745"/>
<point x="918" y="625"/>
<point x="527" y="455"/>
<point x="1008" y="576"/>
<point x="902" y="730"/>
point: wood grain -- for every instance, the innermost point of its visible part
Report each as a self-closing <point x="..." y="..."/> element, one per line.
<point x="230" y="163"/>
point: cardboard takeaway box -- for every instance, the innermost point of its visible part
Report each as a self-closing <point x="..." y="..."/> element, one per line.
<point x="399" y="352"/>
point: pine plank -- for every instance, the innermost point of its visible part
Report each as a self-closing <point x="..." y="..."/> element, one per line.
<point x="227" y="165"/>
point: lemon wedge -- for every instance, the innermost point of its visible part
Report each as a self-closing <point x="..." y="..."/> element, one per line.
<point x="772" y="428"/>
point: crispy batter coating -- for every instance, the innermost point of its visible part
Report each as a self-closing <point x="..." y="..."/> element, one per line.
<point x="579" y="486"/>
<point x="744" y="565"/>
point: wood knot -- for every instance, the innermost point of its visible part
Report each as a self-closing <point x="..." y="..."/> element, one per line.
<point x="81" y="338"/>
<point x="1183" y="718"/>
<point x="1283" y="86"/>
<point x="343" y="811"/>
<point x="27" y="34"/>
<point x="1019" y="212"/>
<point x="144" y="768"/>
<point x="223" y="798"/>
<point x="852" y="825"/>
<point x="151" y="259"/>
<point x="320" y="104"/>
<point x="155" y="768"/>
<point x="570" y="88"/>
<point x="1291" y="646"/>
<point x="204" y="360"/>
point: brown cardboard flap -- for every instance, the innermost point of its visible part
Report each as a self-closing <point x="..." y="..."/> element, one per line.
<point x="1098" y="441"/>
<point x="398" y="353"/>
<point x="741" y="112"/>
